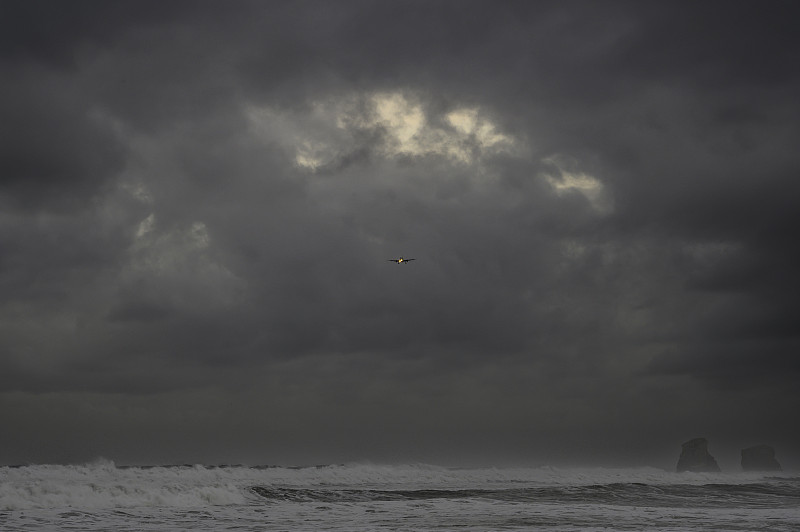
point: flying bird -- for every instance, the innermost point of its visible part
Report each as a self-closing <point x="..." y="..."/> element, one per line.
<point x="400" y="260"/>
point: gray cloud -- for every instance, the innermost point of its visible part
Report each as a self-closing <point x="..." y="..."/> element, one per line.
<point x="199" y="201"/>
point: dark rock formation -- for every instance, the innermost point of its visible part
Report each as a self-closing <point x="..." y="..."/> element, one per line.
<point x="695" y="457"/>
<point x="760" y="458"/>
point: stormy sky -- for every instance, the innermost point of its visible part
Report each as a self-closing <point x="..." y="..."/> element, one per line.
<point x="198" y="201"/>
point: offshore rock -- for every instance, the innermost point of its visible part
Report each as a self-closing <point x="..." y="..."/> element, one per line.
<point x="695" y="457"/>
<point x="760" y="458"/>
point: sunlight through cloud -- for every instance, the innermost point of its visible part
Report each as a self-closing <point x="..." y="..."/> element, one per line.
<point x="173" y="265"/>
<point x="396" y="123"/>
<point x="568" y="181"/>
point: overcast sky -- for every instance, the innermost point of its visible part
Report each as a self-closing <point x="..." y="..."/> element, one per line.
<point x="198" y="201"/>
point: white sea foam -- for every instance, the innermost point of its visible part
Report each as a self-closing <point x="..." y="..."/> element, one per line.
<point x="103" y="485"/>
<point x="361" y="497"/>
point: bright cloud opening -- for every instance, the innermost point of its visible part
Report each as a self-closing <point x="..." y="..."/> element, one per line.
<point x="331" y="129"/>
<point x="567" y="181"/>
<point x="146" y="225"/>
<point x="468" y="122"/>
<point x="402" y="119"/>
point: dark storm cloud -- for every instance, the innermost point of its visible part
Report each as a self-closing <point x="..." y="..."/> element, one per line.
<point x="199" y="200"/>
<point x="56" y="147"/>
<point x="53" y="149"/>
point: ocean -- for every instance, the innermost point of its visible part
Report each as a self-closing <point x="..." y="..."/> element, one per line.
<point x="369" y="497"/>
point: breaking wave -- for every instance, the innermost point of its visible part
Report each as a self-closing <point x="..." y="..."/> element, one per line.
<point x="102" y="485"/>
<point x="634" y="494"/>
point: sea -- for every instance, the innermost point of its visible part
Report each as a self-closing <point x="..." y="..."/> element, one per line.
<point x="372" y="497"/>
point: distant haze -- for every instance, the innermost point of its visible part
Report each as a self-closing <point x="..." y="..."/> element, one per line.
<point x="198" y="201"/>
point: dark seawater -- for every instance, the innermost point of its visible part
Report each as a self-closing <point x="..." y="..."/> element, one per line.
<point x="760" y="495"/>
<point x="362" y="497"/>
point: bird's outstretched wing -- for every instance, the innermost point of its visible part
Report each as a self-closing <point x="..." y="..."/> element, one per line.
<point x="393" y="260"/>
<point x="406" y="260"/>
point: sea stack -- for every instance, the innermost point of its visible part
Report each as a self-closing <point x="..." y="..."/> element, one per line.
<point x="695" y="457"/>
<point x="760" y="458"/>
